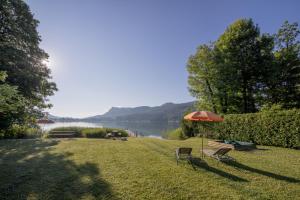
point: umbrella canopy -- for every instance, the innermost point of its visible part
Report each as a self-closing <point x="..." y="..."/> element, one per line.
<point x="204" y="116"/>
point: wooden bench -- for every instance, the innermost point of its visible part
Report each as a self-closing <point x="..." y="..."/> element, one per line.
<point x="62" y="134"/>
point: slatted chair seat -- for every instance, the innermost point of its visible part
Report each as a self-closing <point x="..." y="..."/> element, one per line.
<point x="183" y="153"/>
<point x="219" y="154"/>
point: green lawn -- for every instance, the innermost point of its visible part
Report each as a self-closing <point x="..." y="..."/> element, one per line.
<point x="141" y="168"/>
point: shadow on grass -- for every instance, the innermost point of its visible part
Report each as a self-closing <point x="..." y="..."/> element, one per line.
<point x="262" y="172"/>
<point x="258" y="149"/>
<point x="29" y="169"/>
<point x="201" y="164"/>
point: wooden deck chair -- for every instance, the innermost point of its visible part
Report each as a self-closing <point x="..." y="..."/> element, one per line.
<point x="184" y="153"/>
<point x="219" y="154"/>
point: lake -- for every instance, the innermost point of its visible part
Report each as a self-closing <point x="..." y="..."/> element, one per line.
<point x="147" y="129"/>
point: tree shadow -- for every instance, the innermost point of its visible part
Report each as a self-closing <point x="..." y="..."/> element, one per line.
<point x="258" y="149"/>
<point x="261" y="149"/>
<point x="29" y="169"/>
<point x="262" y="172"/>
<point x="201" y="164"/>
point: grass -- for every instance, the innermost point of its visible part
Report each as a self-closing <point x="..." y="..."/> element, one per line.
<point x="141" y="168"/>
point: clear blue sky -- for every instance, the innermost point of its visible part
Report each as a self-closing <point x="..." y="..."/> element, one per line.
<point x="106" y="53"/>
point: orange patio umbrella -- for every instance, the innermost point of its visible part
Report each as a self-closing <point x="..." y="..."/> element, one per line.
<point x="204" y="116"/>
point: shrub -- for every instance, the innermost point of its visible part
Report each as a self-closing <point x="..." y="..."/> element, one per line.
<point x="33" y="133"/>
<point x="276" y="128"/>
<point x="94" y="132"/>
<point x="20" y="131"/>
<point x="176" y="134"/>
<point x="122" y="132"/>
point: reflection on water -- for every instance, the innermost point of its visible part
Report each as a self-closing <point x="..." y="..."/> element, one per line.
<point x="142" y="128"/>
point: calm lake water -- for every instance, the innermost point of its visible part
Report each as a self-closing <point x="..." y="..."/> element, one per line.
<point x="143" y="128"/>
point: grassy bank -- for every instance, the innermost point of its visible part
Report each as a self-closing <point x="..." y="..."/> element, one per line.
<point x="141" y="168"/>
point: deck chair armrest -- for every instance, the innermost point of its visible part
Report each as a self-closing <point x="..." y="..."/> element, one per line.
<point x="177" y="153"/>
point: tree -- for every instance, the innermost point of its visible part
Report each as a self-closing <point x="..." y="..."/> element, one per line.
<point x="285" y="88"/>
<point x="244" y="55"/>
<point x="21" y="57"/>
<point x="12" y="104"/>
<point x="229" y="76"/>
<point x="202" y="78"/>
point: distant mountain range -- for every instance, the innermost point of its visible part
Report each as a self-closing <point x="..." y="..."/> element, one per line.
<point x="168" y="112"/>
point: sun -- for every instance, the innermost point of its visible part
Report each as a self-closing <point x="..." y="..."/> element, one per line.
<point x="47" y="62"/>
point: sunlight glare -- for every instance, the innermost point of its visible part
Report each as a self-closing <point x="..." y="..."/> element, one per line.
<point x="48" y="63"/>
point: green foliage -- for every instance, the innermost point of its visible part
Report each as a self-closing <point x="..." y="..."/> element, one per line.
<point x="274" y="128"/>
<point x="3" y="76"/>
<point x="13" y="106"/>
<point x="68" y="128"/>
<point x="94" y="132"/>
<point x="244" y="56"/>
<point x="23" y="59"/>
<point x="176" y="134"/>
<point x="285" y="87"/>
<point x="244" y="70"/>
<point x="122" y="132"/>
<point x="203" y="78"/>
<point x="20" y="132"/>
<point x="189" y="128"/>
<point x="91" y="132"/>
<point x="271" y="108"/>
<point x="194" y="128"/>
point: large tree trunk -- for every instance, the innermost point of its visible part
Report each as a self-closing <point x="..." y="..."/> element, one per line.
<point x="211" y="94"/>
<point x="224" y="102"/>
<point x="245" y="100"/>
<point x="251" y="100"/>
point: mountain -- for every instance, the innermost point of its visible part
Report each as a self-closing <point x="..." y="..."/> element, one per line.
<point x="165" y="113"/>
<point x="63" y="119"/>
<point x="115" y="112"/>
<point x="52" y="117"/>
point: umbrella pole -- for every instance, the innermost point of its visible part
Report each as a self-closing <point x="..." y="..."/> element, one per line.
<point x="202" y="145"/>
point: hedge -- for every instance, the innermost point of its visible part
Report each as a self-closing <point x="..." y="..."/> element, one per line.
<point x="280" y="128"/>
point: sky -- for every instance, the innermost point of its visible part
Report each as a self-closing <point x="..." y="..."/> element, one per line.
<point x="128" y="53"/>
